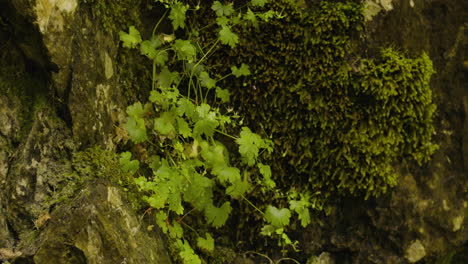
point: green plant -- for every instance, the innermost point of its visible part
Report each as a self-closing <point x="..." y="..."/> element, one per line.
<point x="337" y="120"/>
<point x="183" y="127"/>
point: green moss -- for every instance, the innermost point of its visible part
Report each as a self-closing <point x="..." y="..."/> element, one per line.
<point x="340" y="117"/>
<point x="96" y="163"/>
<point x="113" y="15"/>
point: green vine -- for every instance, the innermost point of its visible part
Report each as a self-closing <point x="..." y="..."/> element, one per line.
<point x="337" y="120"/>
<point x="192" y="171"/>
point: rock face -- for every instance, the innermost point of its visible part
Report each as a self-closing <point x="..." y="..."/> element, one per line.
<point x="61" y="90"/>
<point x="59" y="94"/>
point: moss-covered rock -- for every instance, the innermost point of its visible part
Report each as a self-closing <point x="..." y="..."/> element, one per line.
<point x="340" y="116"/>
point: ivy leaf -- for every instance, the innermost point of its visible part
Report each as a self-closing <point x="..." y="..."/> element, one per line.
<point x="136" y="129"/>
<point x="161" y="218"/>
<point x="135" y="110"/>
<point x="238" y="189"/>
<point x="222" y="10"/>
<point x="164" y="123"/>
<point x="249" y="145"/>
<point x="175" y="203"/>
<point x="213" y="155"/>
<point x="175" y="230"/>
<point x="186" y="107"/>
<point x="203" y="110"/>
<point x="250" y="16"/>
<point x="200" y="192"/>
<point x="187" y="254"/>
<point x="206" y="127"/>
<point x="227" y="37"/>
<point x="206" y="80"/>
<point x="147" y="49"/>
<point x="227" y="174"/>
<point x="166" y="78"/>
<point x="265" y="170"/>
<point x="217" y="216"/>
<point x="277" y="217"/>
<point x="185" y="50"/>
<point x="161" y="57"/>
<point x="223" y="94"/>
<point x="159" y="99"/>
<point x="222" y="21"/>
<point x="206" y="243"/>
<point x="158" y="201"/>
<point x="183" y="128"/>
<point x="301" y="208"/>
<point x="268" y="230"/>
<point x="242" y="71"/>
<point x="259" y="3"/>
<point x="302" y="211"/>
<point x="177" y="15"/>
<point x="127" y="165"/>
<point x="132" y="39"/>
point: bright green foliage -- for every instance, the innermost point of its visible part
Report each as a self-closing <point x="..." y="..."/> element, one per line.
<point x="301" y="207"/>
<point x="136" y="126"/>
<point x="222" y="10"/>
<point x="217" y="216"/>
<point x="130" y="166"/>
<point x="277" y="217"/>
<point x="206" y="243"/>
<point x="187" y="254"/>
<point x="250" y="145"/>
<point x="164" y="124"/>
<point x="185" y="50"/>
<point x="206" y="81"/>
<point x="339" y="121"/>
<point x="242" y="71"/>
<point x="177" y="15"/>
<point x="223" y="94"/>
<point x="193" y="165"/>
<point x="130" y="39"/>
<point x="228" y="37"/>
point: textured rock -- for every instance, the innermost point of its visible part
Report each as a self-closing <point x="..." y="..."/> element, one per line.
<point x="98" y="226"/>
<point x="59" y="93"/>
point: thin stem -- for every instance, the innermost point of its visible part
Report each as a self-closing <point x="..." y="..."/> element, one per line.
<point x="191" y="228"/>
<point x="159" y="22"/>
<point x="224" y="77"/>
<point x="251" y="204"/>
<point x="182" y="218"/>
<point x="225" y="134"/>
<point x="199" y="61"/>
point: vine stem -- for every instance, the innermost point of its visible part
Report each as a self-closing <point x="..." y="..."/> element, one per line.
<point x="159" y="22"/>
<point x="182" y="218"/>
<point x="251" y="204"/>
<point x="191" y="228"/>
<point x="225" y="134"/>
<point x="198" y="63"/>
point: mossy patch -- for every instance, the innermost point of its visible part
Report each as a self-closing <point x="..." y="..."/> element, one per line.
<point x="340" y="117"/>
<point x="113" y="15"/>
